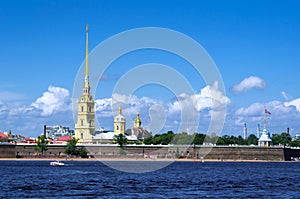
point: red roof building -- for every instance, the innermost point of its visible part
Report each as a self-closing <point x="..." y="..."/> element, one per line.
<point x="2" y="135"/>
<point x="64" y="138"/>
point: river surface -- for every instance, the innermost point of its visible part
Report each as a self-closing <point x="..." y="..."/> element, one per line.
<point x="93" y="179"/>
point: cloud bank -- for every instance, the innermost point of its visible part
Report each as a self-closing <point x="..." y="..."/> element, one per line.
<point x="54" y="107"/>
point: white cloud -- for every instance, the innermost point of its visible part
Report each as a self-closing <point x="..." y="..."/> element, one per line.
<point x="56" y="99"/>
<point x="295" y="102"/>
<point x="284" y="95"/>
<point x="103" y="107"/>
<point x="283" y="115"/>
<point x="249" y="83"/>
<point x="252" y="110"/>
<point x="210" y="102"/>
<point x="209" y="97"/>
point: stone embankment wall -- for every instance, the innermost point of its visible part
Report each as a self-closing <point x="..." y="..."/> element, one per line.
<point x="160" y="151"/>
<point x="7" y="151"/>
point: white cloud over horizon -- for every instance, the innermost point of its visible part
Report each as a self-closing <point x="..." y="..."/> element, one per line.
<point x="54" y="107"/>
<point x="249" y="83"/>
<point x="55" y="99"/>
<point x="283" y="115"/>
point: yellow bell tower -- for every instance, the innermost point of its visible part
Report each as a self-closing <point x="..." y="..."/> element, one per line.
<point x="119" y="122"/>
<point x="86" y="113"/>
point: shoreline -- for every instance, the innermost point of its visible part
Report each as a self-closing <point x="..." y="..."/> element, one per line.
<point x="134" y="159"/>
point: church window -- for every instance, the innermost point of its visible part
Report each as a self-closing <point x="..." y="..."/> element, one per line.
<point x="81" y="135"/>
<point x="81" y="122"/>
<point x="81" y="108"/>
<point x="117" y="127"/>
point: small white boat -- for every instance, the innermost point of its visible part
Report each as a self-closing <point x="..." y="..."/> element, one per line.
<point x="57" y="163"/>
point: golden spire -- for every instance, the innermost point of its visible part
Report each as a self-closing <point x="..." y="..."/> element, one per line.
<point x="137" y="121"/>
<point x="86" y="89"/>
<point x="87" y="51"/>
<point x="120" y="110"/>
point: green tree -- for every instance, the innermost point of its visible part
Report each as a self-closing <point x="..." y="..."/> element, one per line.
<point x="70" y="148"/>
<point x="41" y="144"/>
<point x="286" y="139"/>
<point x="148" y="140"/>
<point x="240" y="140"/>
<point x="156" y="139"/>
<point x="199" y="139"/>
<point x="252" y="139"/>
<point x="283" y="138"/>
<point x="295" y="143"/>
<point x="121" y="140"/>
<point x="82" y="152"/>
<point x="221" y="141"/>
<point x="183" y="138"/>
<point x="166" y="138"/>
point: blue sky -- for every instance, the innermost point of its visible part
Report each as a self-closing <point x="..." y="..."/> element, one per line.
<point x="255" y="45"/>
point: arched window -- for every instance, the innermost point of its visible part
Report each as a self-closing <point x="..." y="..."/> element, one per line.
<point x="81" y="122"/>
<point x="81" y="108"/>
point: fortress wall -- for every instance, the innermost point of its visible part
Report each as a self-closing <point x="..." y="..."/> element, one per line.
<point x="246" y="153"/>
<point x="216" y="153"/>
<point x="160" y="151"/>
<point x="29" y="151"/>
<point x="7" y="151"/>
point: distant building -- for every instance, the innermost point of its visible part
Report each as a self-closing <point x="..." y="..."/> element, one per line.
<point x="258" y="131"/>
<point x="120" y="122"/>
<point x="103" y="136"/>
<point x="245" y="131"/>
<point x="264" y="140"/>
<point x="55" y="132"/>
<point x="138" y="131"/>
<point x="3" y="137"/>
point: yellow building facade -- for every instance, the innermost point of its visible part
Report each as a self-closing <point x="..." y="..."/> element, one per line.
<point x="119" y="122"/>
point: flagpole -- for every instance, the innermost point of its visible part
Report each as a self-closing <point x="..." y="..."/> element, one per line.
<point x="265" y="119"/>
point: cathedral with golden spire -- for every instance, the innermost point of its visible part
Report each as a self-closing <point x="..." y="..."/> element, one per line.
<point x="85" y="126"/>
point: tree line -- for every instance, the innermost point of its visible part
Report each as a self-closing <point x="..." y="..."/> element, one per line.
<point x="170" y="137"/>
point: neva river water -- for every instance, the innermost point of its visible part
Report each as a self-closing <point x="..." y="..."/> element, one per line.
<point x="36" y="179"/>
